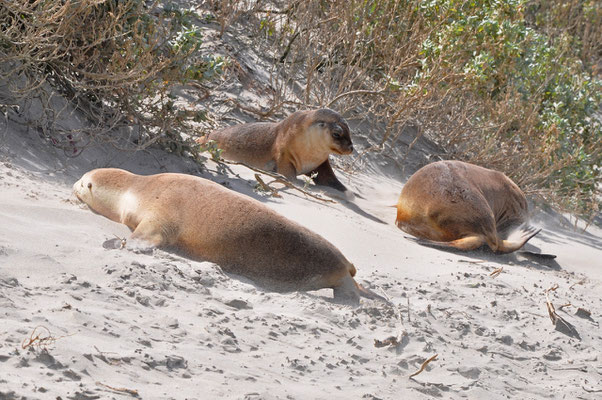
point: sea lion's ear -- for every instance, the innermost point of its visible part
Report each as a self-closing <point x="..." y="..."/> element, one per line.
<point x="90" y="185"/>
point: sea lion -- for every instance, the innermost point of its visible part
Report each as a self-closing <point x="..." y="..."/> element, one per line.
<point x="206" y="221"/>
<point x="464" y="206"/>
<point x="299" y="144"/>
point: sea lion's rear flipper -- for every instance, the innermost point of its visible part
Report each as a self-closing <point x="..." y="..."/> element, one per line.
<point x="369" y="294"/>
<point x="349" y="291"/>
<point x="466" y="243"/>
<point x="517" y="239"/>
<point x="326" y="177"/>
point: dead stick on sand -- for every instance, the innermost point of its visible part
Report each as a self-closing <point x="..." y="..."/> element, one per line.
<point x="278" y="178"/>
<point x="581" y="282"/>
<point x="273" y="192"/>
<point x="551" y="310"/>
<point x="496" y="272"/>
<point x="424" y="364"/>
<point x="123" y="241"/>
<point x="133" y="392"/>
<point x="42" y="338"/>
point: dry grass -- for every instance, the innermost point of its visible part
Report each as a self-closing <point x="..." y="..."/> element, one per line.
<point x="111" y="61"/>
<point x="364" y="59"/>
<point x="40" y="338"/>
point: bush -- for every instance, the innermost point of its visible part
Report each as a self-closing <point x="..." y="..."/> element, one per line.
<point x="114" y="61"/>
<point x="500" y="83"/>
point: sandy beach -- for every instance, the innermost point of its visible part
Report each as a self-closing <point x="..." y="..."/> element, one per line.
<point x="84" y="320"/>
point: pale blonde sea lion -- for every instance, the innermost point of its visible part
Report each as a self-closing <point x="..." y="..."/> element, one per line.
<point x="464" y="206"/>
<point x="206" y="221"/>
<point x="299" y="144"/>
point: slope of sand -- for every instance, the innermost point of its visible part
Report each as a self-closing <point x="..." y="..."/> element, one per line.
<point x="116" y="324"/>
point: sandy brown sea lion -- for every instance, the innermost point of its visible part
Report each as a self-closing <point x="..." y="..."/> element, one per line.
<point x="464" y="206"/>
<point x="206" y="221"/>
<point x="299" y="144"/>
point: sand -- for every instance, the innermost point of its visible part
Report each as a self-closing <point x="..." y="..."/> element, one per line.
<point x="116" y="323"/>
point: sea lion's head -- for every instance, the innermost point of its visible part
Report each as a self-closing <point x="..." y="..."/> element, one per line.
<point x="334" y="128"/>
<point x="101" y="190"/>
<point x="82" y="189"/>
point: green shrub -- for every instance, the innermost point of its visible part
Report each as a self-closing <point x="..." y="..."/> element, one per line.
<point x="507" y="84"/>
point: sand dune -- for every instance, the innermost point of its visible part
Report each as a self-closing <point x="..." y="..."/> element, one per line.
<point x="115" y="323"/>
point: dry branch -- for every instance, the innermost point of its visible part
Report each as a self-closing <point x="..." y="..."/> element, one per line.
<point x="40" y="337"/>
<point x="132" y="392"/>
<point x="551" y="310"/>
<point x="110" y="64"/>
<point x="424" y="364"/>
<point x="559" y="323"/>
<point x="581" y="282"/>
<point x="278" y="178"/>
<point x="273" y="192"/>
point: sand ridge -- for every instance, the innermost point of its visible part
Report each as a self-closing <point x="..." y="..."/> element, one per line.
<point x="156" y="325"/>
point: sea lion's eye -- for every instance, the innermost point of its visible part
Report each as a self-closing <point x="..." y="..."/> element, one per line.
<point x="337" y="132"/>
<point x="322" y="124"/>
<point x="90" y="186"/>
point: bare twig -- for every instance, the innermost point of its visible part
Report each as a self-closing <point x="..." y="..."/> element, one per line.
<point x="273" y="192"/>
<point x="353" y="93"/>
<point x="132" y="392"/>
<point x="581" y="282"/>
<point x="424" y="364"/>
<point x="559" y="323"/>
<point x="123" y="241"/>
<point x="40" y="337"/>
<point x="278" y="178"/>
<point x="496" y="272"/>
<point x="551" y="310"/>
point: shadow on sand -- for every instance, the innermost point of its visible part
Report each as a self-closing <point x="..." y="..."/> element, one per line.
<point x="528" y="256"/>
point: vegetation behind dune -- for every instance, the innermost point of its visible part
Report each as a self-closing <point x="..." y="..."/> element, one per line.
<point x="509" y="84"/>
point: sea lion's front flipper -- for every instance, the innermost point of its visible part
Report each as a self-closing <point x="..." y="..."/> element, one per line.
<point x="326" y="177"/>
<point x="148" y="233"/>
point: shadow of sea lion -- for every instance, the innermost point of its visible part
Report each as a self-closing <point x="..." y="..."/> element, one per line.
<point x="521" y="257"/>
